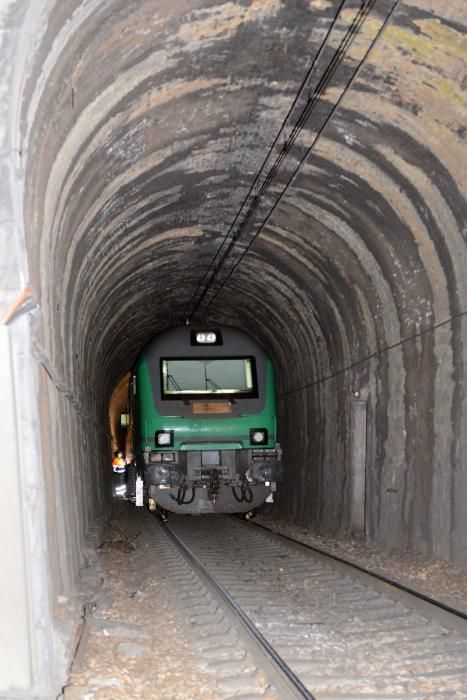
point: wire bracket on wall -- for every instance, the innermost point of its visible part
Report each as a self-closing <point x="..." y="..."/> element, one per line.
<point x="23" y="303"/>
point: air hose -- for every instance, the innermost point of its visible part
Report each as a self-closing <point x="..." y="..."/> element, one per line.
<point x="182" y="493"/>
<point x="246" y="494"/>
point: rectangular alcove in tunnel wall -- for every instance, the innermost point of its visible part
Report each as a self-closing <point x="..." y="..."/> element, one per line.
<point x="358" y="449"/>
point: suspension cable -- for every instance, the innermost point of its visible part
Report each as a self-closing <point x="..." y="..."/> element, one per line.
<point x="339" y="55"/>
<point x="270" y="151"/>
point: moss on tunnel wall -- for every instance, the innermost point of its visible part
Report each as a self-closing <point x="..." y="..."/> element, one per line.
<point x="142" y="127"/>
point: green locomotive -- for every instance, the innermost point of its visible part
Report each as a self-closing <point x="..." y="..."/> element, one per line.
<point x="203" y="404"/>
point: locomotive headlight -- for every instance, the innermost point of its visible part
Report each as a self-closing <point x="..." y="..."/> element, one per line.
<point x="258" y="436"/>
<point x="206" y="338"/>
<point x="165" y="438"/>
<point x="213" y="337"/>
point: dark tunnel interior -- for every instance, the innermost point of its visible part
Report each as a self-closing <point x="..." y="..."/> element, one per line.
<point x="142" y="129"/>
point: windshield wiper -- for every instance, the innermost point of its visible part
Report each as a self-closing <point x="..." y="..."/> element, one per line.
<point x="171" y="378"/>
<point x="216" y="386"/>
<point x="211" y="381"/>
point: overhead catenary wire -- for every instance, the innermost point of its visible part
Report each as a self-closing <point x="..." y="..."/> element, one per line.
<point x="309" y="149"/>
<point x="271" y="149"/>
<point x="339" y="54"/>
<point x="376" y="353"/>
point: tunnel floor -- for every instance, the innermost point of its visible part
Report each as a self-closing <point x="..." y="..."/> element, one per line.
<point x="438" y="579"/>
<point x="134" y="642"/>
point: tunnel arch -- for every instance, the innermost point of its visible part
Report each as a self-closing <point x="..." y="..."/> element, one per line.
<point x="135" y="134"/>
<point x="362" y="254"/>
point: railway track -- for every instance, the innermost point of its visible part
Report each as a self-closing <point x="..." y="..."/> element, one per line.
<point x="226" y="653"/>
<point x="310" y="627"/>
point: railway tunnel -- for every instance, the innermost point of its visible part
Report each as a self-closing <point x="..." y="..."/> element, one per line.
<point x="295" y="170"/>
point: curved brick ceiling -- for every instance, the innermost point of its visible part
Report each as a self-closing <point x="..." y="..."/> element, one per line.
<point x="144" y="125"/>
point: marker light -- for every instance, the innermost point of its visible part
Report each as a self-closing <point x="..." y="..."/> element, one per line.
<point x="206" y="337"/>
<point x="258" y="436"/>
<point x="164" y="438"/>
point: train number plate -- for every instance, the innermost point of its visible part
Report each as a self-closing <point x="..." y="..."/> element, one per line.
<point x="207" y="407"/>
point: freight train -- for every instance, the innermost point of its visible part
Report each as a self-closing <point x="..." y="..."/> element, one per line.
<point x="203" y="411"/>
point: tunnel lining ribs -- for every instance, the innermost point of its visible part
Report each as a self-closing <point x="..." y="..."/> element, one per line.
<point x="133" y="134"/>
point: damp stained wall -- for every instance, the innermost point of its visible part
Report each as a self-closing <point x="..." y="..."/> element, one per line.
<point x="134" y="131"/>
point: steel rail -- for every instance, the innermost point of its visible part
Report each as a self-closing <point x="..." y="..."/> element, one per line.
<point x="380" y="577"/>
<point x="284" y="679"/>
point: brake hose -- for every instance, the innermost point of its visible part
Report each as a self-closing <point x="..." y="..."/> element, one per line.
<point x="234" y="491"/>
<point x="186" y="503"/>
<point x="245" y="490"/>
<point x="181" y="496"/>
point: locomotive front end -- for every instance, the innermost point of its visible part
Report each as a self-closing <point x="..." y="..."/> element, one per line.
<point x="206" y="423"/>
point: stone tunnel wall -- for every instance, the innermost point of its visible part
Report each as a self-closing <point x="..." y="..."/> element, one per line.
<point x="142" y="129"/>
<point x="359" y="282"/>
<point x="134" y="130"/>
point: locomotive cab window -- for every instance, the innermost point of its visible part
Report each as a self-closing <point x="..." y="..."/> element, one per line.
<point x="208" y="377"/>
